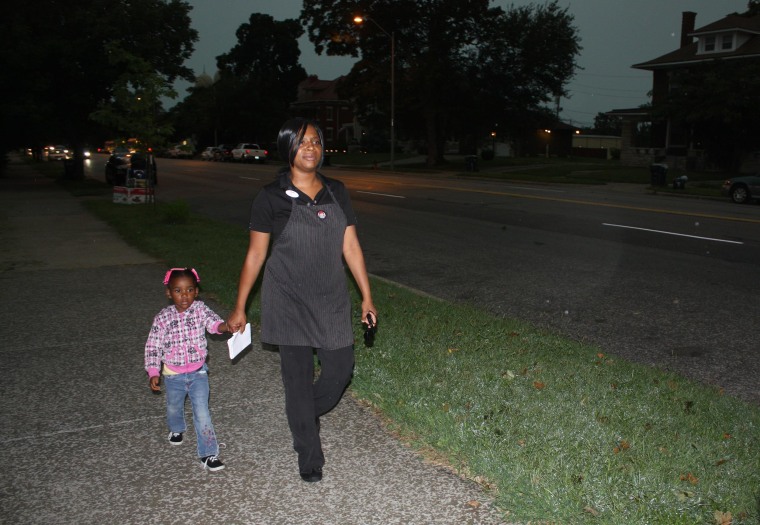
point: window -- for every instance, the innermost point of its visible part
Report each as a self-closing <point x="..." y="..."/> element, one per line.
<point x="727" y="42"/>
<point x="709" y="44"/>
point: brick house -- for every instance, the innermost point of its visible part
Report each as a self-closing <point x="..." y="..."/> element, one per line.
<point x="734" y="37"/>
<point x="318" y="100"/>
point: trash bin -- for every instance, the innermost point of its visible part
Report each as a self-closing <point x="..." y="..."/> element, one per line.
<point x="680" y="182"/>
<point x="658" y="172"/>
<point x="69" y="169"/>
<point x="471" y="162"/>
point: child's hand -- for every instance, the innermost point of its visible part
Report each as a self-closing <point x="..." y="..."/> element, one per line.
<point x="154" y="384"/>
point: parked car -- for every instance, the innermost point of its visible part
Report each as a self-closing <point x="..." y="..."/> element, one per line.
<point x="121" y="161"/>
<point x="743" y="189"/>
<point x="211" y="153"/>
<point x="57" y="152"/>
<point x="248" y="152"/>
<point x="180" y="151"/>
<point x="226" y="152"/>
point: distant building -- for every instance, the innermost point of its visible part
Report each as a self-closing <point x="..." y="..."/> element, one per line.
<point x="734" y="37"/>
<point x="318" y="100"/>
<point x="596" y="146"/>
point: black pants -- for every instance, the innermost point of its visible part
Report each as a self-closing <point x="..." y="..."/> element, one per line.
<point x="306" y="400"/>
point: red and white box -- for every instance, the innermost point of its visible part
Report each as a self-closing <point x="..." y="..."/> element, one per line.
<point x="124" y="195"/>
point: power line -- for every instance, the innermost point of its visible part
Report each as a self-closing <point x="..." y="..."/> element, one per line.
<point x="643" y="76"/>
<point x="607" y="96"/>
<point x="606" y="89"/>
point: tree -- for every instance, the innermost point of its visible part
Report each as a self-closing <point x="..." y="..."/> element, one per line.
<point x="65" y="60"/>
<point x="461" y="66"/>
<point x="198" y="114"/>
<point x="753" y="7"/>
<point x="134" y="108"/>
<point x="258" y="79"/>
<point x="607" y="124"/>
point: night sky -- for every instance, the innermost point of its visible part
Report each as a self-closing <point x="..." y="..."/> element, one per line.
<point x="615" y="34"/>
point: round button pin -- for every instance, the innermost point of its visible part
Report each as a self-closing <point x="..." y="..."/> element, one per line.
<point x="291" y="193"/>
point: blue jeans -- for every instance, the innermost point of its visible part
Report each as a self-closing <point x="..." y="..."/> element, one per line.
<point x="194" y="385"/>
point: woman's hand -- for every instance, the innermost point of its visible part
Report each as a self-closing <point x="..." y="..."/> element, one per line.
<point x="236" y="321"/>
<point x="368" y="309"/>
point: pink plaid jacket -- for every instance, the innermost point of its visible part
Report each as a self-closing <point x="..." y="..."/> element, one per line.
<point x="179" y="339"/>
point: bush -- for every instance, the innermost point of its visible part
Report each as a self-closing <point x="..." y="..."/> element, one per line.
<point x="487" y="154"/>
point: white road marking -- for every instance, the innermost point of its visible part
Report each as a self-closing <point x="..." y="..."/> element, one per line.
<point x="671" y="233"/>
<point x="382" y="194"/>
<point x="533" y="188"/>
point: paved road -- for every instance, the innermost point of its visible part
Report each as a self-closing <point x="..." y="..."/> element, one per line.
<point x="84" y="440"/>
<point x="673" y="291"/>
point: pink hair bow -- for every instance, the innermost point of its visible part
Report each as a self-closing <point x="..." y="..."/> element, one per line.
<point x="169" y="274"/>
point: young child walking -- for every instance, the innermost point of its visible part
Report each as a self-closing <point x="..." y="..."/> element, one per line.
<point x="176" y="348"/>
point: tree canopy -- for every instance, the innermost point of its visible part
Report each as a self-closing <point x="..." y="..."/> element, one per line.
<point x="462" y="68"/>
<point x="64" y="61"/>
<point x="257" y="81"/>
<point x="605" y="124"/>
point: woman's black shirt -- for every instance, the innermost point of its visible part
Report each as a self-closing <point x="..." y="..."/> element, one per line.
<point x="270" y="210"/>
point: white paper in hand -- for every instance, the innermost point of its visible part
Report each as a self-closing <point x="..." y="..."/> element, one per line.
<point x="239" y="342"/>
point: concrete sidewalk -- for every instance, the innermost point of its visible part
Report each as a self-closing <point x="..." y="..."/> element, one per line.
<point x="84" y="439"/>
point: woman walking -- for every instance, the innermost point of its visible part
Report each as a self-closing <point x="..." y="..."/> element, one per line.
<point x="305" y="302"/>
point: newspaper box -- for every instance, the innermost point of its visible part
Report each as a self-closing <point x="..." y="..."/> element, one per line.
<point x="126" y="195"/>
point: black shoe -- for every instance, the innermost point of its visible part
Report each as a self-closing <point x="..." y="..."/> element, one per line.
<point x="312" y="476"/>
<point x="175" y="438"/>
<point x="213" y="463"/>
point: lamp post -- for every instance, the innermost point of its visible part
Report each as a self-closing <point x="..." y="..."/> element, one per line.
<point x="392" y="35"/>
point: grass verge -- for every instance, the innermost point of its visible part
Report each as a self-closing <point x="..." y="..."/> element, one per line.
<point x="560" y="432"/>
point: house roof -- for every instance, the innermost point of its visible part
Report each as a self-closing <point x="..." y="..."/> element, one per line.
<point x="749" y="26"/>
<point x="312" y="89"/>
<point x="630" y="112"/>
<point x="746" y="24"/>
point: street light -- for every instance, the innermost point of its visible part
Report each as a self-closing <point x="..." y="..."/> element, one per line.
<point x="360" y="20"/>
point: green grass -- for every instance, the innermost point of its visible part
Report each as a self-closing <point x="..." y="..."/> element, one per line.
<point x="574" y="170"/>
<point x="558" y="431"/>
<point x="565" y="433"/>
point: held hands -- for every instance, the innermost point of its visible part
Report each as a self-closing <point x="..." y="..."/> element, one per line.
<point x="236" y="322"/>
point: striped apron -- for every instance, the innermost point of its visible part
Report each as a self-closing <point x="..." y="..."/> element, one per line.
<point x="304" y="294"/>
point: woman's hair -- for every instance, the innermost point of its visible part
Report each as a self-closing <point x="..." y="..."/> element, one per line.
<point x="290" y="137"/>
